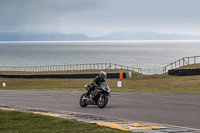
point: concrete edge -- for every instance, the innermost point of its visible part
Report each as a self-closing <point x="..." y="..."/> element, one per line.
<point x="114" y="123"/>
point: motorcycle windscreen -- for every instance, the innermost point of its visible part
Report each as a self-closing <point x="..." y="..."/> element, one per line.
<point x="104" y="84"/>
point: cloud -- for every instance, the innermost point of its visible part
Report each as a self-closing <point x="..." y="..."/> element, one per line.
<point x="105" y="16"/>
<point x="27" y="13"/>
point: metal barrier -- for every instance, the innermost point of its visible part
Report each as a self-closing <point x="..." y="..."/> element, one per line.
<point x="182" y="62"/>
<point x="104" y="66"/>
<point x="93" y="66"/>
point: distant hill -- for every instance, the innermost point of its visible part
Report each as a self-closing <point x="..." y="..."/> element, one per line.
<point x="146" y="35"/>
<point x="58" y="36"/>
<point x="40" y="36"/>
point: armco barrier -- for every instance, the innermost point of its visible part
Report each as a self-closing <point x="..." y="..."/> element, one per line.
<point x="184" y="72"/>
<point x="70" y="76"/>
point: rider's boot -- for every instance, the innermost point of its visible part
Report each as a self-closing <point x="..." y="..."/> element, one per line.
<point x="88" y="92"/>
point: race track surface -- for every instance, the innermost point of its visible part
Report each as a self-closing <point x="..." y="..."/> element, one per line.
<point x="165" y="108"/>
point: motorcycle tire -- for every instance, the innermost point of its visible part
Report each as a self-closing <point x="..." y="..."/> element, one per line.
<point x="102" y="101"/>
<point x="81" y="102"/>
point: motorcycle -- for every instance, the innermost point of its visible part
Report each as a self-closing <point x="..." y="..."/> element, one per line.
<point x="98" y="96"/>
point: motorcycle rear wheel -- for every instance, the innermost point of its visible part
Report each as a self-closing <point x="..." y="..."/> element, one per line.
<point x="82" y="102"/>
<point x="102" y="101"/>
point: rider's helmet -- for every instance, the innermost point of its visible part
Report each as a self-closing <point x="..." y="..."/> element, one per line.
<point x="102" y="75"/>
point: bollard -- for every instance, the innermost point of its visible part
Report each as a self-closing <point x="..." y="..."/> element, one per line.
<point x="119" y="83"/>
<point x="4" y="84"/>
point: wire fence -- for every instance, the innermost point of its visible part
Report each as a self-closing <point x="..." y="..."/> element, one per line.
<point x="104" y="66"/>
<point x="93" y="66"/>
<point x="182" y="62"/>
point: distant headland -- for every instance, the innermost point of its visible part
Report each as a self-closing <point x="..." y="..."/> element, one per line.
<point x="124" y="35"/>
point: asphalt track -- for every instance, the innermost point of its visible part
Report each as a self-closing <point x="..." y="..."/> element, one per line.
<point x="166" y="108"/>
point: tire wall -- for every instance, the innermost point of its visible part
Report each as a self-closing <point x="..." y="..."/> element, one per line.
<point x="70" y="76"/>
<point x="184" y="72"/>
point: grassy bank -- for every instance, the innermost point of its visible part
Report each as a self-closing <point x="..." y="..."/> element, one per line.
<point x="15" y="122"/>
<point x="192" y="66"/>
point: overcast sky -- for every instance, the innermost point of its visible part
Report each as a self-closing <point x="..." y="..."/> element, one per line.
<point x="100" y="17"/>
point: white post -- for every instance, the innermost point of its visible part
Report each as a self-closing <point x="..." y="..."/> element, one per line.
<point x="119" y="83"/>
<point x="4" y="84"/>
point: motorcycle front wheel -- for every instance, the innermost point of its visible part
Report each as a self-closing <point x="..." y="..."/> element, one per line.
<point x="82" y="101"/>
<point x="102" y="101"/>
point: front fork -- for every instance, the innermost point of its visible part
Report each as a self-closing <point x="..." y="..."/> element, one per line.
<point x="103" y="94"/>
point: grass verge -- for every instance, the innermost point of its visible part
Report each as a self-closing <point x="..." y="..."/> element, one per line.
<point x="15" y="122"/>
<point x="138" y="83"/>
<point x="159" y="83"/>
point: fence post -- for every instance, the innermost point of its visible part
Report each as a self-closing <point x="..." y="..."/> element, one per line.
<point x="175" y="64"/>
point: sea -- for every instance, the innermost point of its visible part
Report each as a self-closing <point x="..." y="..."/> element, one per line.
<point x="151" y="56"/>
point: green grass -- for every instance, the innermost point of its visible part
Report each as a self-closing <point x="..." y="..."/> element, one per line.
<point x="192" y="66"/>
<point x="157" y="83"/>
<point x="138" y="83"/>
<point x="18" y="122"/>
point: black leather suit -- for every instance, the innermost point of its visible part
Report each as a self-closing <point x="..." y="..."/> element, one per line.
<point x="97" y="81"/>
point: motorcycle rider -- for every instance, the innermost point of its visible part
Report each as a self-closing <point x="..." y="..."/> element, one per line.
<point x="97" y="81"/>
